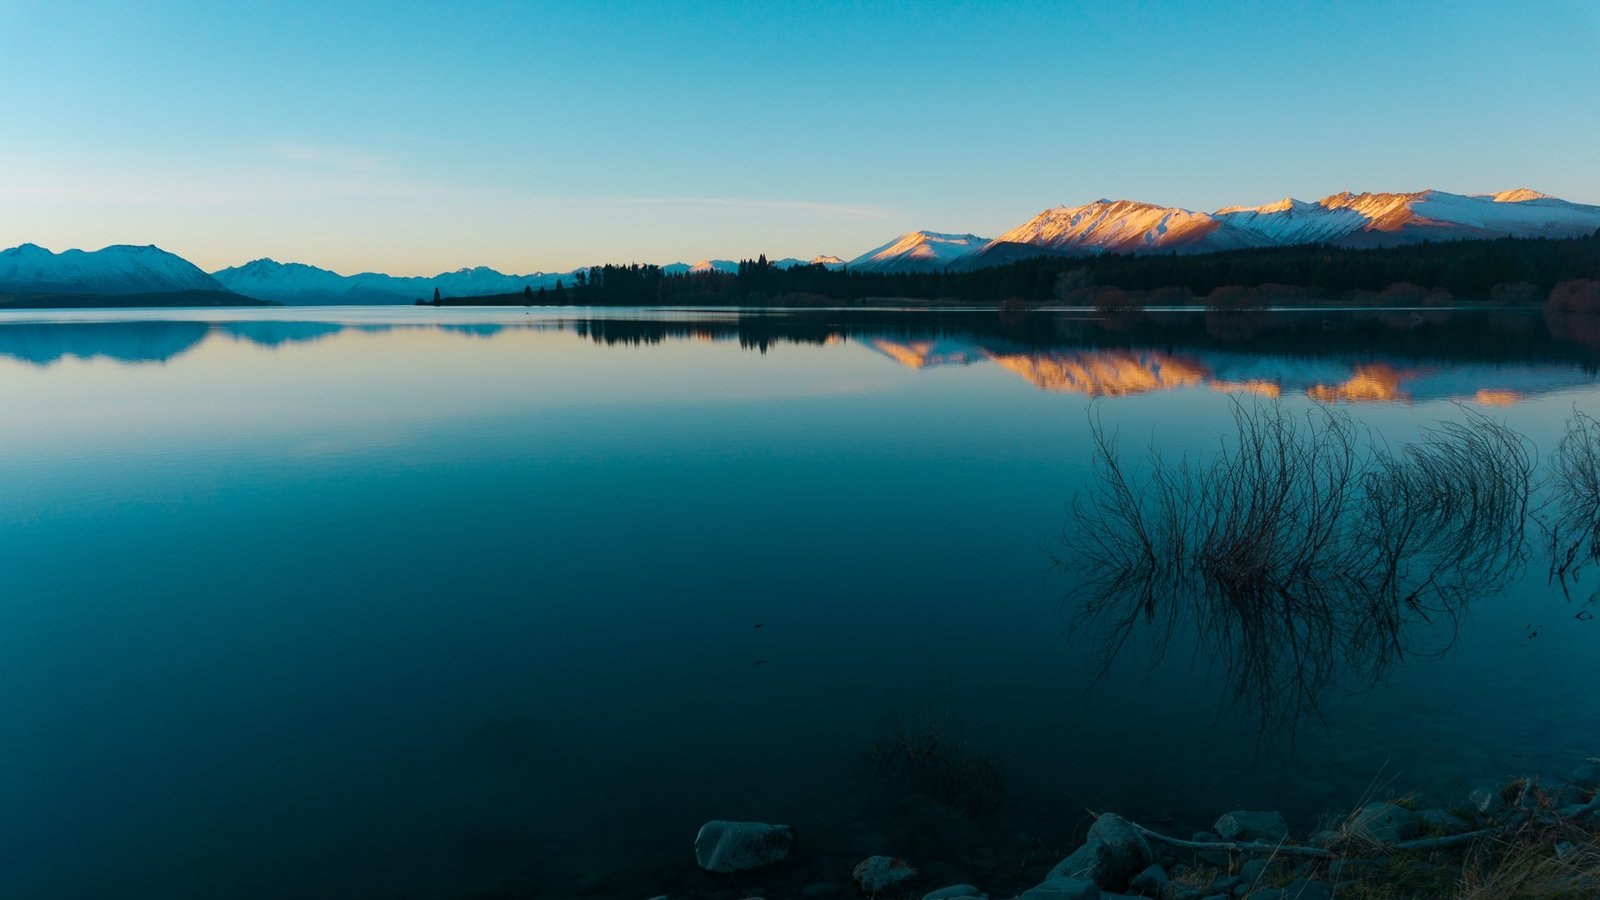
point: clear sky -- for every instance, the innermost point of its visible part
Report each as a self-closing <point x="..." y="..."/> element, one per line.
<point x="419" y="137"/>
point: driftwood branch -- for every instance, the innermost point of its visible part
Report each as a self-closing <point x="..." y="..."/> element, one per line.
<point x="1237" y="846"/>
<point x="1567" y="814"/>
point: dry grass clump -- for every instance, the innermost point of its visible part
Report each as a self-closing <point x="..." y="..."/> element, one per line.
<point x="1539" y="860"/>
<point x="929" y="757"/>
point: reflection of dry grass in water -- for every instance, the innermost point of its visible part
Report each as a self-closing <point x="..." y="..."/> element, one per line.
<point x="1573" y="521"/>
<point x="1306" y="551"/>
<point x="929" y="757"/>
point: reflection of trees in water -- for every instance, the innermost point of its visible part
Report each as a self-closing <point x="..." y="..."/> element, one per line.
<point x="1304" y="554"/>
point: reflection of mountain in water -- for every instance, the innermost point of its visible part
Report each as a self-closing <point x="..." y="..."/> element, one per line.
<point x="276" y="334"/>
<point x="129" y="342"/>
<point x="1491" y="357"/>
<point x="43" y="343"/>
<point x="925" y="354"/>
<point x="1114" y="373"/>
<point x="1109" y="373"/>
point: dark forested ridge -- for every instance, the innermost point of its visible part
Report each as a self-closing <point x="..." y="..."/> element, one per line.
<point x="1514" y="271"/>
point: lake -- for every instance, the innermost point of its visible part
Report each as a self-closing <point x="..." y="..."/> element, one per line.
<point x="442" y="603"/>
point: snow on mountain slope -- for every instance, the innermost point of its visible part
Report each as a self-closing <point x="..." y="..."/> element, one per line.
<point x="267" y="279"/>
<point x="789" y="262"/>
<point x="1291" y="221"/>
<point x="1114" y="226"/>
<point x="1371" y="220"/>
<point x="708" y="265"/>
<point x="917" y="251"/>
<point x="1356" y="220"/>
<point x="118" y="269"/>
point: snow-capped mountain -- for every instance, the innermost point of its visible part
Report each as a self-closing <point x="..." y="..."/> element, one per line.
<point x="1120" y="226"/>
<point x="789" y="262"/>
<point x="118" y="269"/>
<point x="704" y="265"/>
<point x="1372" y="220"/>
<point x="267" y="279"/>
<point x="1346" y="219"/>
<point x="917" y="251"/>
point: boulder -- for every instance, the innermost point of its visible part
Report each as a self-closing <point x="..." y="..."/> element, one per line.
<point x="1486" y="800"/>
<point x="1307" y="889"/>
<point x="1063" y="889"/>
<point x="1254" y="870"/>
<point x="1386" y="823"/>
<point x="1114" y="852"/>
<point x="1244" y="825"/>
<point x="1149" y="882"/>
<point x="956" y="892"/>
<point x="1442" y="822"/>
<point x="739" y="846"/>
<point x="879" y="873"/>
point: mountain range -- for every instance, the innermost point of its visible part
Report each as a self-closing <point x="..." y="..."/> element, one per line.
<point x="1104" y="226"/>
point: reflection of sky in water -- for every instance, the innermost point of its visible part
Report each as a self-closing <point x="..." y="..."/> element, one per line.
<point x="273" y="597"/>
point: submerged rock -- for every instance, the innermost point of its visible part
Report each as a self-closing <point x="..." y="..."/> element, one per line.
<point x="1115" y="851"/>
<point x="739" y="846"/>
<point x="1063" y="889"/>
<point x="1586" y="777"/>
<point x="1245" y="825"/>
<point x="877" y="873"/>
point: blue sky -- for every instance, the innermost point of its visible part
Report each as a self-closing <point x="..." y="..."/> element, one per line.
<point x="419" y="137"/>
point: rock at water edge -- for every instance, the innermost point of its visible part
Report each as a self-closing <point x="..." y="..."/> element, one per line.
<point x="1063" y="889"/>
<point x="1386" y="823"/>
<point x="1245" y="825"/>
<point x="739" y="846"/>
<point x="1114" y="852"/>
<point x="877" y="873"/>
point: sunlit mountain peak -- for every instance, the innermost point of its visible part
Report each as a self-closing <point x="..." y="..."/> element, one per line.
<point x="1520" y="195"/>
<point x="917" y="250"/>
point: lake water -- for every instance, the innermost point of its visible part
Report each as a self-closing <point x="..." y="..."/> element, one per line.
<point x="448" y="603"/>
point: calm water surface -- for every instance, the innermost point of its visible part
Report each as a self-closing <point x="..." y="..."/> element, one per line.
<point x="419" y="603"/>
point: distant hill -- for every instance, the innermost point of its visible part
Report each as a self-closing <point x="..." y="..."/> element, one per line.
<point x="118" y="269"/>
<point x="300" y="284"/>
